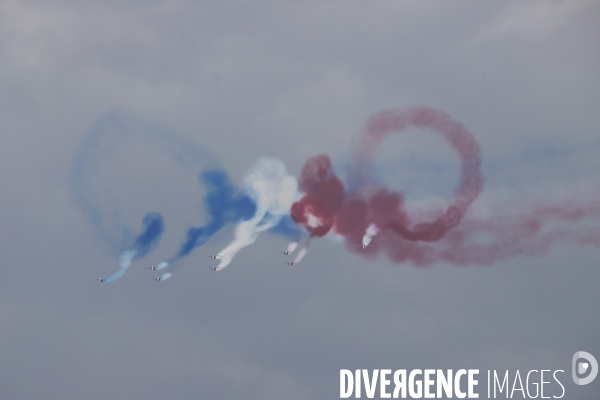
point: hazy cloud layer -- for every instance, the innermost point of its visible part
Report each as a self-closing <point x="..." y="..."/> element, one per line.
<point x="286" y="80"/>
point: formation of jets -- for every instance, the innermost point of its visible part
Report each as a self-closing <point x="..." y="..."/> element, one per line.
<point x="218" y="256"/>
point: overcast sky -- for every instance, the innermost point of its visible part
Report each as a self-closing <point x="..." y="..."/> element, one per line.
<point x="289" y="80"/>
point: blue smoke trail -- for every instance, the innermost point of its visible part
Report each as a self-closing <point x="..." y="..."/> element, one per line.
<point x="273" y="190"/>
<point x="223" y="203"/>
<point x="148" y="239"/>
<point x="266" y="196"/>
<point x="144" y="243"/>
<point x="108" y="220"/>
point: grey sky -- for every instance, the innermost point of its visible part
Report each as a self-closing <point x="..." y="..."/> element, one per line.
<point x="288" y="80"/>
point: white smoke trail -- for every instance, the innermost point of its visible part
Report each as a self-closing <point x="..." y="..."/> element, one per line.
<point x="273" y="190"/>
<point x="371" y="231"/>
<point x="124" y="262"/>
<point x="300" y="255"/>
<point x="165" y="276"/>
<point x="162" y="265"/>
<point x="291" y="247"/>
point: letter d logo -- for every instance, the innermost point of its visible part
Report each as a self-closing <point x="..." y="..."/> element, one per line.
<point x="582" y="367"/>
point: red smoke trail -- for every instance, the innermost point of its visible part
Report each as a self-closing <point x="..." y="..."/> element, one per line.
<point x="385" y="123"/>
<point x="324" y="195"/>
<point x="446" y="236"/>
<point x="484" y="241"/>
<point x="323" y="204"/>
